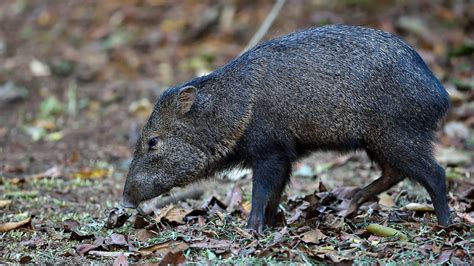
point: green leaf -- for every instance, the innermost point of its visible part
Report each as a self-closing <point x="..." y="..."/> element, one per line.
<point x="50" y="107"/>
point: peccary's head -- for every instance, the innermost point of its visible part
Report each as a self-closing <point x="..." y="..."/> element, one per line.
<point x="190" y="133"/>
<point x="169" y="152"/>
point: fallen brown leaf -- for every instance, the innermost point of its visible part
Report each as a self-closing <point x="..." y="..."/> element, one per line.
<point x="78" y="237"/>
<point x="83" y="249"/>
<point x="164" y="248"/>
<point x="468" y="193"/>
<point x="5" y="203"/>
<point x="75" y="157"/>
<point x="172" y="214"/>
<point x="298" y="212"/>
<point x="386" y="201"/>
<point x="117" y="240"/>
<point x="322" y="187"/>
<point x="313" y="236"/>
<point x="121" y="260"/>
<point x="243" y="233"/>
<point x="324" y="250"/>
<point x="213" y="243"/>
<point x="25" y="259"/>
<point x="144" y="234"/>
<point x="17" y="180"/>
<point x="460" y="253"/>
<point x="280" y="234"/>
<point x="173" y="258"/>
<point x="26" y="223"/>
<point x="195" y="215"/>
<point x="445" y="256"/>
<point x="338" y="259"/>
<point x="70" y="225"/>
<point x="436" y="249"/>
<point x="344" y="192"/>
<point x="117" y="217"/>
<point x="139" y="222"/>
<point x="468" y="217"/>
<point x="214" y="205"/>
<point x="52" y="172"/>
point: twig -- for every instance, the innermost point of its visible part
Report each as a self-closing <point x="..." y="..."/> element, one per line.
<point x="267" y="23"/>
<point x="109" y="253"/>
<point x="146" y="215"/>
<point x="192" y="193"/>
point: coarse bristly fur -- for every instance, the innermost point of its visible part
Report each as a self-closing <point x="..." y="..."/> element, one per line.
<point x="335" y="87"/>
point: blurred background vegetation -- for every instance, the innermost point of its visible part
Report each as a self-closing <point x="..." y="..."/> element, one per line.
<point x="79" y="77"/>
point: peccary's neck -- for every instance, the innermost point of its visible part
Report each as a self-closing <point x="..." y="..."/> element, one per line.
<point x="226" y="109"/>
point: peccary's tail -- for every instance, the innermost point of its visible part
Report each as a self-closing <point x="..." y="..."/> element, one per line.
<point x="440" y="100"/>
<point x="443" y="104"/>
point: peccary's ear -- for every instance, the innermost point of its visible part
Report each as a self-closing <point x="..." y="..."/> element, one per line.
<point x="186" y="98"/>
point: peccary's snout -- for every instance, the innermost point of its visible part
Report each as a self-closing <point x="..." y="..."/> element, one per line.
<point x="142" y="184"/>
<point x="130" y="197"/>
<point x="127" y="203"/>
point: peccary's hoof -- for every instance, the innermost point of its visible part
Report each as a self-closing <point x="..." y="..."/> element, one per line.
<point x="255" y="225"/>
<point x="445" y="221"/>
<point x="256" y="228"/>
<point x="351" y="211"/>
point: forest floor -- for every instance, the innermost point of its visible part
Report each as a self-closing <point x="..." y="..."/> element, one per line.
<point x="78" y="80"/>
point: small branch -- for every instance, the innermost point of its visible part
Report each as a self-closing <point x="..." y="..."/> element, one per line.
<point x="267" y="23"/>
<point x="192" y="193"/>
<point x="109" y="253"/>
<point x="157" y="203"/>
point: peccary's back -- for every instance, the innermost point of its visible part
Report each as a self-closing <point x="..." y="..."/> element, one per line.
<point x="337" y="84"/>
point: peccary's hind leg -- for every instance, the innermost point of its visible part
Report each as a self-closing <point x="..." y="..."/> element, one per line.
<point x="432" y="177"/>
<point x="409" y="152"/>
<point x="269" y="180"/>
<point x="389" y="178"/>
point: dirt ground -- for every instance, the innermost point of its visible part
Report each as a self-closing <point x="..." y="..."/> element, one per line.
<point x="78" y="80"/>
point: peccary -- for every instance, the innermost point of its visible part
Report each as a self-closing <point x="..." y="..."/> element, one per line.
<point x="336" y="87"/>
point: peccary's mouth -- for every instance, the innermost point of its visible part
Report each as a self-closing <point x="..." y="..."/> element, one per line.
<point x="128" y="204"/>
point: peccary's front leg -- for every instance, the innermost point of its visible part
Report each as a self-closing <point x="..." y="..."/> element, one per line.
<point x="269" y="181"/>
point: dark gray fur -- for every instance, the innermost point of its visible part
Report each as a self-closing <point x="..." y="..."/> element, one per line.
<point x="335" y="87"/>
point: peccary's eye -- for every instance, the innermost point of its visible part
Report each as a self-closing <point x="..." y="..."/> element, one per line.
<point x="153" y="142"/>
